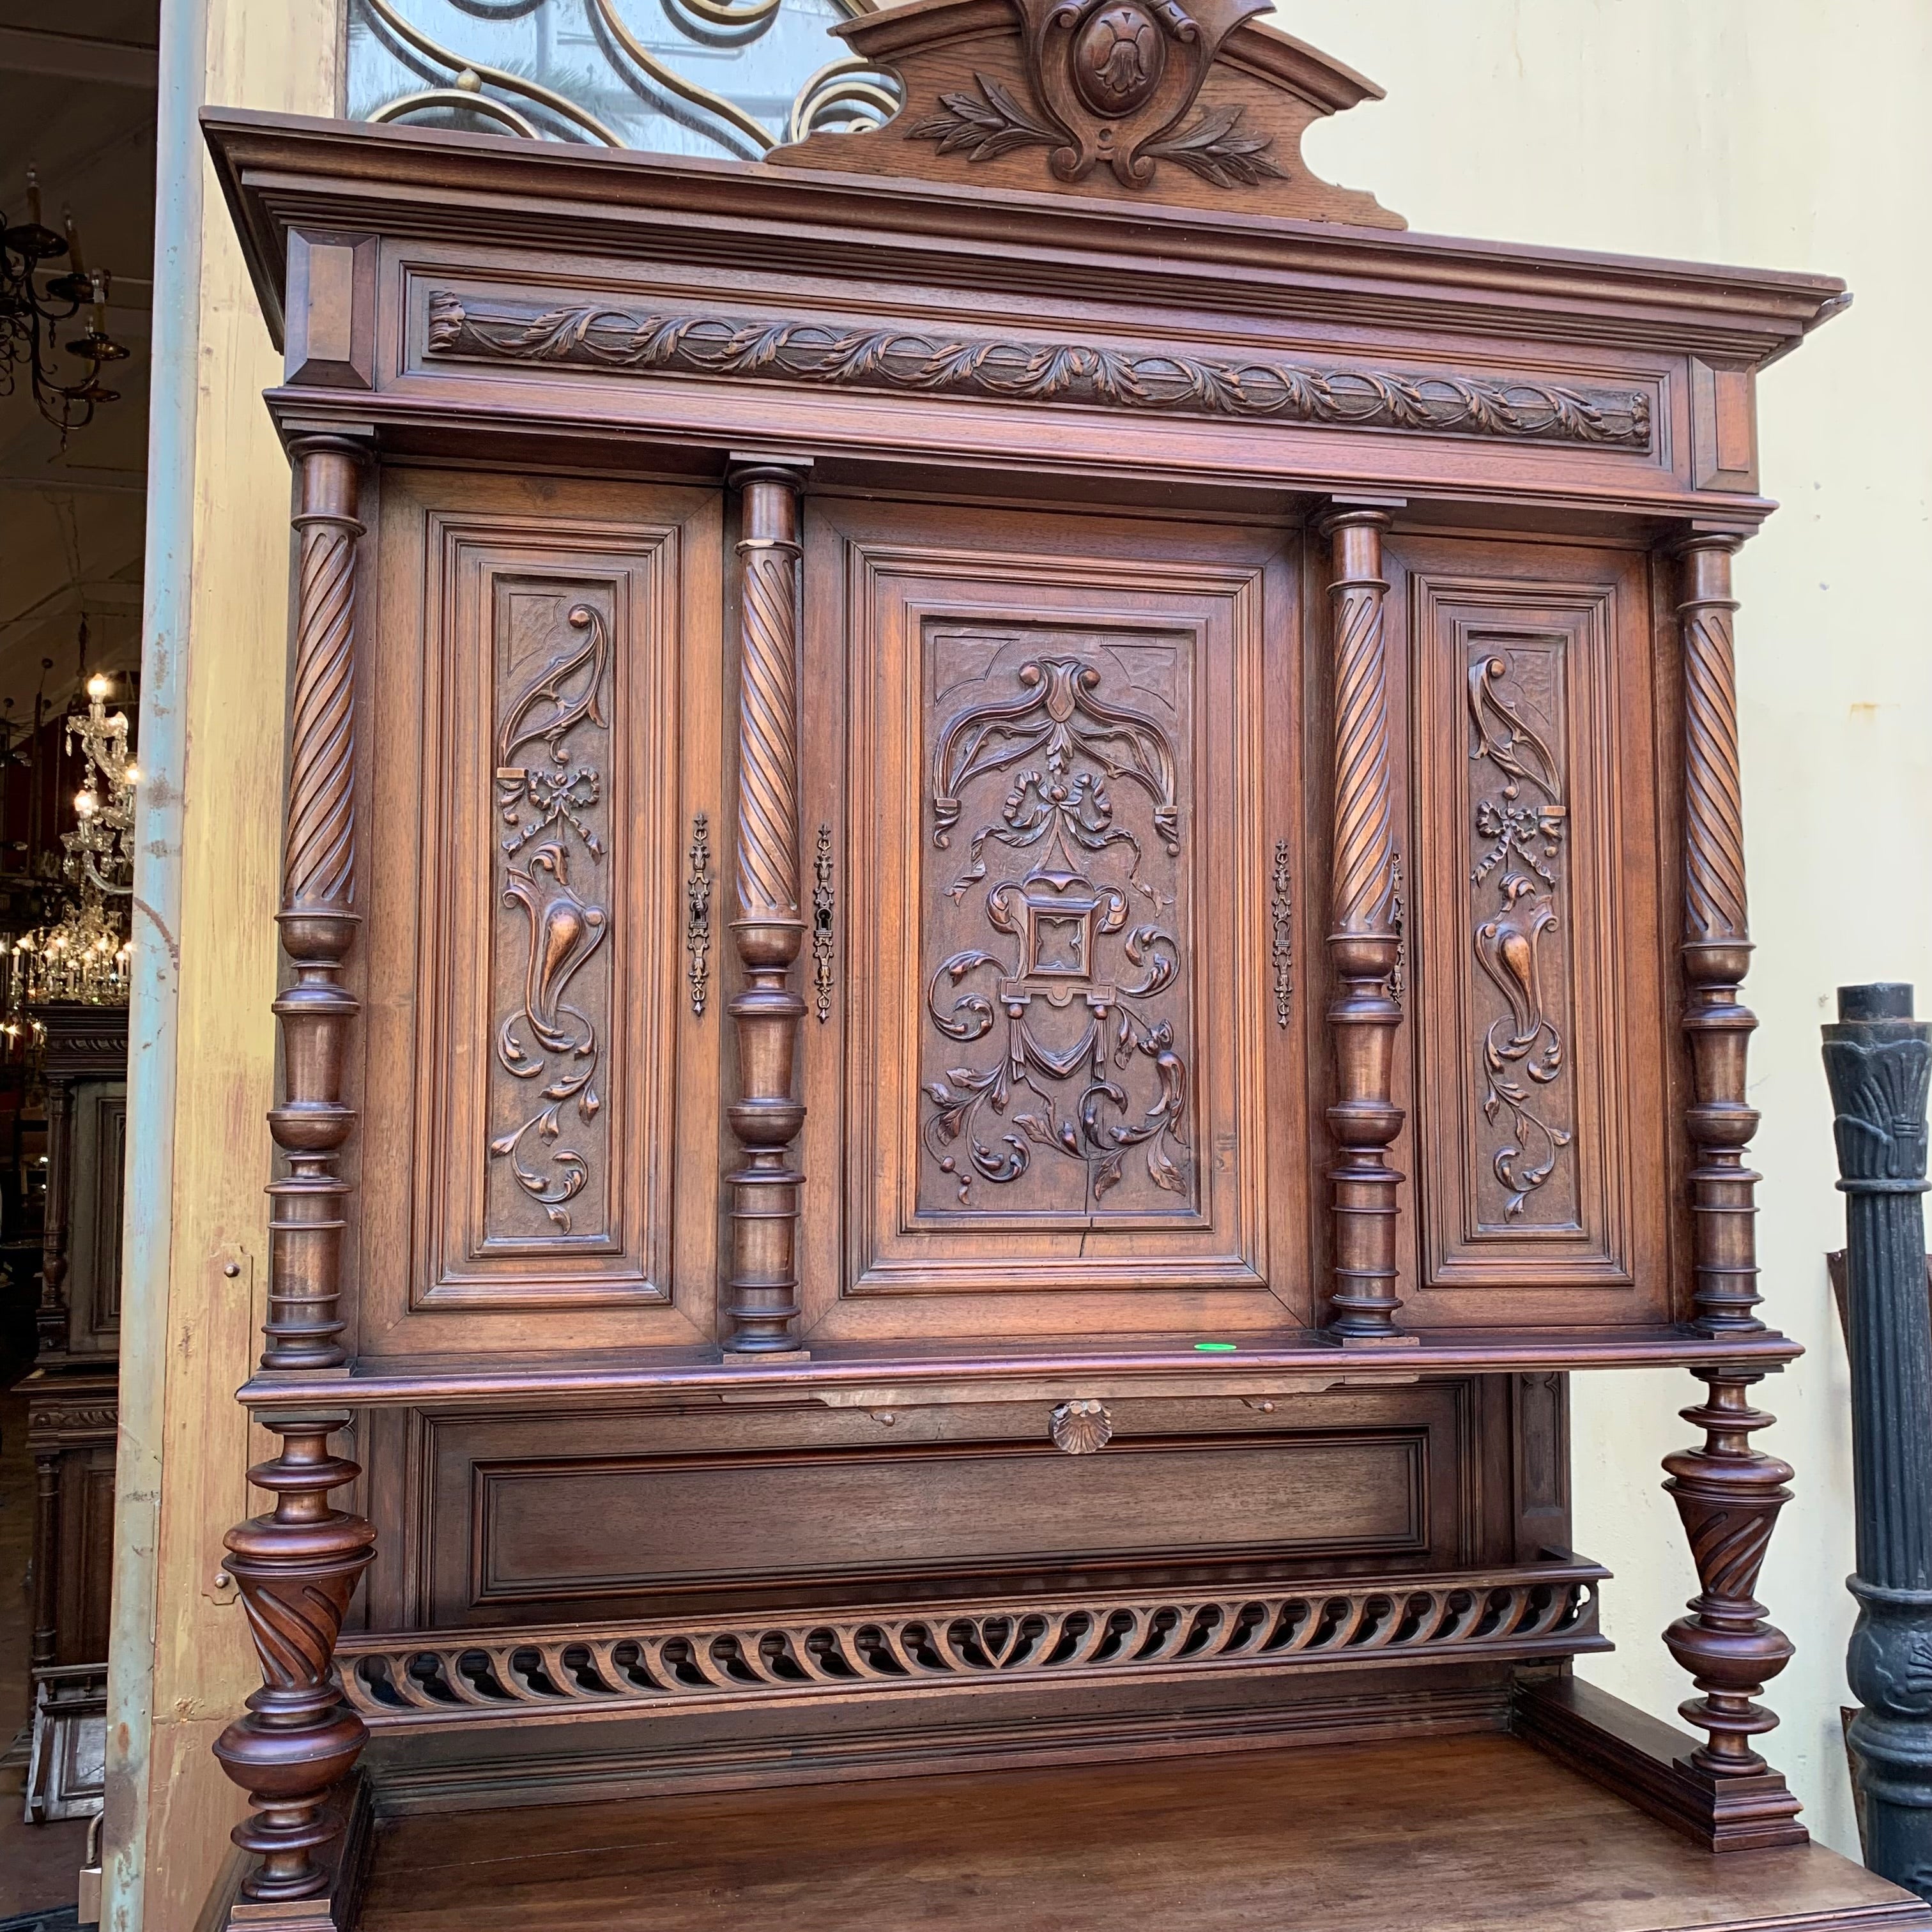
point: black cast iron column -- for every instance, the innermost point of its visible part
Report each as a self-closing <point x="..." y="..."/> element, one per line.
<point x="1878" y="1060"/>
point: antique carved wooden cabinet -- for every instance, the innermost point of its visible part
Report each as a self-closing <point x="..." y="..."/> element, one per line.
<point x="1014" y="903"/>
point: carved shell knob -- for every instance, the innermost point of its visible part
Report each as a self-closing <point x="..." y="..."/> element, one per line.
<point x="1081" y="1428"/>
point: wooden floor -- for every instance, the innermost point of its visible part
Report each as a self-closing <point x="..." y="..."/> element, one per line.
<point x="1447" y="1834"/>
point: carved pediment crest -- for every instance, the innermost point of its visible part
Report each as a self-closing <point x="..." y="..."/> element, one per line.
<point x="1183" y="100"/>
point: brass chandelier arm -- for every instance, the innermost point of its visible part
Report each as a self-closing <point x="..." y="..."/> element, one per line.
<point x="511" y="83"/>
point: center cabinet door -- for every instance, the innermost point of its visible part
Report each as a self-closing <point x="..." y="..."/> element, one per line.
<point x="1053" y="815"/>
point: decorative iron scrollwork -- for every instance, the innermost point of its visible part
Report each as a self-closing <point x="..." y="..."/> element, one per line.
<point x="697" y="912"/>
<point x="1520" y="840"/>
<point x="823" y="904"/>
<point x="579" y="70"/>
<point x="545" y="807"/>
<point x="1066" y="941"/>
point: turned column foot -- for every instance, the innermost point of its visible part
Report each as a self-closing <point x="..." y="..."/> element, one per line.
<point x="296" y="1569"/>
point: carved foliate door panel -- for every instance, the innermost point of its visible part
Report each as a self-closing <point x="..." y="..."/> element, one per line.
<point x="549" y="703"/>
<point x="1060" y="1028"/>
<point x="1536" y="968"/>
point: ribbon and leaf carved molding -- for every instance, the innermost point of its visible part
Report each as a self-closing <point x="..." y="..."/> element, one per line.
<point x="625" y="341"/>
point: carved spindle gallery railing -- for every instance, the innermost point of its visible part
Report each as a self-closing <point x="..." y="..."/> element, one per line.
<point x="1364" y="942"/>
<point x="1717" y="946"/>
<point x="769" y="930"/>
<point x="1546" y="1610"/>
<point x="1728" y="1493"/>
<point x="297" y="1567"/>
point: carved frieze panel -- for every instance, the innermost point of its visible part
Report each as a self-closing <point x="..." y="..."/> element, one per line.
<point x="552" y="971"/>
<point x="1063" y="1007"/>
<point x="1530" y="954"/>
<point x="612" y="337"/>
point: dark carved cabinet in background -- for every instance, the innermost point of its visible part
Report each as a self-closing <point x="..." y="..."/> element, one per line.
<point x="73" y="1402"/>
<point x="1014" y="906"/>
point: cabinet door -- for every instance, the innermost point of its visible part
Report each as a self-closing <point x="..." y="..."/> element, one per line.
<point x="538" y="1143"/>
<point x="1048" y="1093"/>
<point x="1537" y="1136"/>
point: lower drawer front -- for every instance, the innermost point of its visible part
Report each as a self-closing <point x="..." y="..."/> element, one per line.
<point x="524" y="1519"/>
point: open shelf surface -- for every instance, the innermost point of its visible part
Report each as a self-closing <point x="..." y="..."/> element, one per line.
<point x="1440" y="1834"/>
<point x="878" y="1375"/>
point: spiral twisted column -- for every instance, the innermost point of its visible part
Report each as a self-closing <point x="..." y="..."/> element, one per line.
<point x="297" y="1567"/>
<point x="1364" y="942"/>
<point x="762" y="1306"/>
<point x="318" y="921"/>
<point x="295" y="1570"/>
<point x="1716" y="947"/>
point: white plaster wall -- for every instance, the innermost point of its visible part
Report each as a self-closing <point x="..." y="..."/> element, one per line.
<point x="1780" y="133"/>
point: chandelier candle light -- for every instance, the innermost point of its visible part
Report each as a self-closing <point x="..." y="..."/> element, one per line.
<point x="86" y="956"/>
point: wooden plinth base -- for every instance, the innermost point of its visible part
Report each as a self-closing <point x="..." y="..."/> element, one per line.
<point x="1647" y="1762"/>
<point x="1480" y="1833"/>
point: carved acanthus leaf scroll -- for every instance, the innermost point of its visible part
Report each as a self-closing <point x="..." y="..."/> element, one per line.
<point x="983" y="128"/>
<point x="1065" y="1092"/>
<point x="544" y="806"/>
<point x="603" y="337"/>
<point x="1520" y="840"/>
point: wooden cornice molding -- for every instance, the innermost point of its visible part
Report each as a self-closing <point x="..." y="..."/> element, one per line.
<point x="486" y="191"/>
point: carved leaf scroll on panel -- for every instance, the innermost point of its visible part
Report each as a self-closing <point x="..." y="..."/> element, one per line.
<point x="548" y="1166"/>
<point x="1519" y="824"/>
<point x="1058" y="1061"/>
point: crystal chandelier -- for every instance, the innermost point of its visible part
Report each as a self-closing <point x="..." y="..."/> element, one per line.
<point x="31" y="313"/>
<point x="86" y="956"/>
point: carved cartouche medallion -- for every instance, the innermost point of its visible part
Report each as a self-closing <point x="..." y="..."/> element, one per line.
<point x="1519" y="835"/>
<point x="1071" y="994"/>
<point x="551" y="809"/>
<point x="1112" y="82"/>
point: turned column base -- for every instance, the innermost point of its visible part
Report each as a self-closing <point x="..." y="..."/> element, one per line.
<point x="347" y="1859"/>
<point x="1647" y="1763"/>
